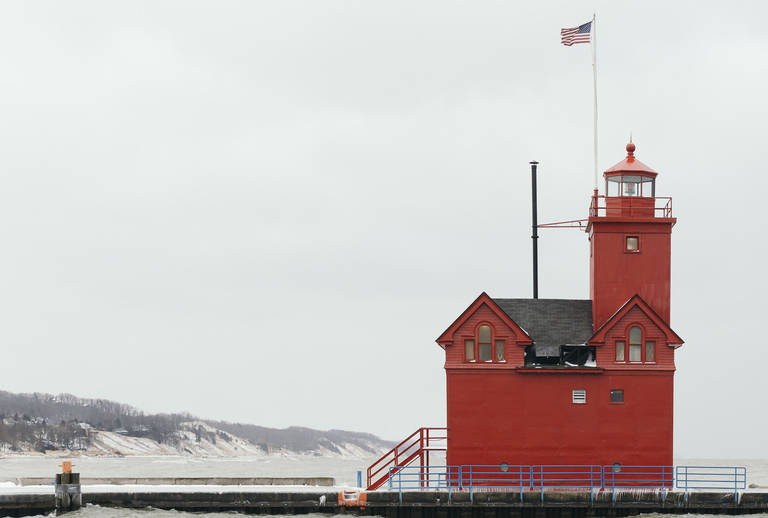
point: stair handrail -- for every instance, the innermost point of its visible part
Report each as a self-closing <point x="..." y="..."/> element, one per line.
<point x="394" y="452"/>
<point x="392" y="458"/>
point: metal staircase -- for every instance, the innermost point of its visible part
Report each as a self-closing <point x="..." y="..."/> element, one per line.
<point x="416" y="446"/>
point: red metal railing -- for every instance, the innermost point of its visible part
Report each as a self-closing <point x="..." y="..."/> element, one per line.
<point x="619" y="206"/>
<point x="415" y="446"/>
<point x="635" y="206"/>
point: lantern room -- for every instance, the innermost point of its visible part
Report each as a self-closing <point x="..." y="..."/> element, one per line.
<point x="630" y="187"/>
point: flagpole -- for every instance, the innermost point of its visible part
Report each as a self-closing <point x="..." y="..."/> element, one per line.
<point x="594" y="78"/>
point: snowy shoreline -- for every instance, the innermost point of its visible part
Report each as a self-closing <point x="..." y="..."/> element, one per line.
<point x="190" y="444"/>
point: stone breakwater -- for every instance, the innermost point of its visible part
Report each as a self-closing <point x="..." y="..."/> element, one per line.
<point x="32" y="500"/>
<point x="188" y="481"/>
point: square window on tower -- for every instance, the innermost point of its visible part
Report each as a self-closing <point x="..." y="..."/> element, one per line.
<point x="633" y="244"/>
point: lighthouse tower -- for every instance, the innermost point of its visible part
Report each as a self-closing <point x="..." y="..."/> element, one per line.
<point x="630" y="241"/>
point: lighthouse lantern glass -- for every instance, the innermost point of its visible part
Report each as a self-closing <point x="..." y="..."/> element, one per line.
<point x="630" y="185"/>
<point x="613" y="186"/>
<point x="648" y="187"/>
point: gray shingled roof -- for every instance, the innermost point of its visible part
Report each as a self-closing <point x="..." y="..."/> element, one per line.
<point x="551" y="322"/>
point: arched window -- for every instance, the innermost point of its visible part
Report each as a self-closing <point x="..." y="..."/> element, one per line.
<point x="483" y="348"/>
<point x="631" y="347"/>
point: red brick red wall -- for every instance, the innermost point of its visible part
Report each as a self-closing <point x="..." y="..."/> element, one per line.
<point x="616" y="276"/>
<point x="497" y="416"/>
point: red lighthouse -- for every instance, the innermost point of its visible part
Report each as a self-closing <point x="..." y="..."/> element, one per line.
<point x="552" y="381"/>
<point x="570" y="382"/>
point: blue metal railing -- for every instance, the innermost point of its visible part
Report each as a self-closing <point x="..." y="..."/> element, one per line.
<point x="711" y="477"/>
<point x="424" y="477"/>
<point x="638" y="477"/>
<point x="538" y="478"/>
<point x="626" y="477"/>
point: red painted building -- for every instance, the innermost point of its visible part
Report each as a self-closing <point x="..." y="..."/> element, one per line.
<point x="552" y="381"/>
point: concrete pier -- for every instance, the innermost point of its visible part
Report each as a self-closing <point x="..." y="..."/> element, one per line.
<point x="560" y="504"/>
<point x="67" y="493"/>
<point x="188" y="481"/>
<point x="416" y="504"/>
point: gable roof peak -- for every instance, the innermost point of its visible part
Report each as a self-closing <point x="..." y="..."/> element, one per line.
<point x="483" y="298"/>
<point x="637" y="301"/>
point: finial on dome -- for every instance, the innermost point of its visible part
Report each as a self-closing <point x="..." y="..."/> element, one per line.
<point x="630" y="147"/>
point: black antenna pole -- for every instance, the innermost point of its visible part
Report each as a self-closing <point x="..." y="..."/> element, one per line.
<point x="535" y="228"/>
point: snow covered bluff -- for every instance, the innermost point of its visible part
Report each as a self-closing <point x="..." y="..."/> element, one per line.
<point x="198" y="438"/>
<point x="44" y="423"/>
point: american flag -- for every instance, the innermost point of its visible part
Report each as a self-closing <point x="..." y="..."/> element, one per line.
<point x="580" y="34"/>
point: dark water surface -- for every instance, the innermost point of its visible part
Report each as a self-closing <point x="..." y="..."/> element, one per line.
<point x="94" y="511"/>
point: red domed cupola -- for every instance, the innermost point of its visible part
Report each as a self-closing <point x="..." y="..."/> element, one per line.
<point x="630" y="187"/>
<point x="630" y="177"/>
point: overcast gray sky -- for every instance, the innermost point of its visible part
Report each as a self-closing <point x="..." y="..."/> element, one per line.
<point x="267" y="211"/>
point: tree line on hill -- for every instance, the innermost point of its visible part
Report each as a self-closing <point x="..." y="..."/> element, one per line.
<point x="49" y="422"/>
<point x="64" y="421"/>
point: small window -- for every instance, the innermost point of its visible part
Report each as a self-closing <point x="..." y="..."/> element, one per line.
<point x="650" y="351"/>
<point x="579" y="397"/>
<point x="633" y="244"/>
<point x="617" y="396"/>
<point x="620" y="350"/>
<point x="499" y="350"/>
<point x="469" y="350"/>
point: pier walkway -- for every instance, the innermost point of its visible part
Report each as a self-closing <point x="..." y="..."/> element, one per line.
<point x="32" y="500"/>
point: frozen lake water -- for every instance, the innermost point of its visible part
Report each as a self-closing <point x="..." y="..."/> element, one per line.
<point x="342" y="469"/>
